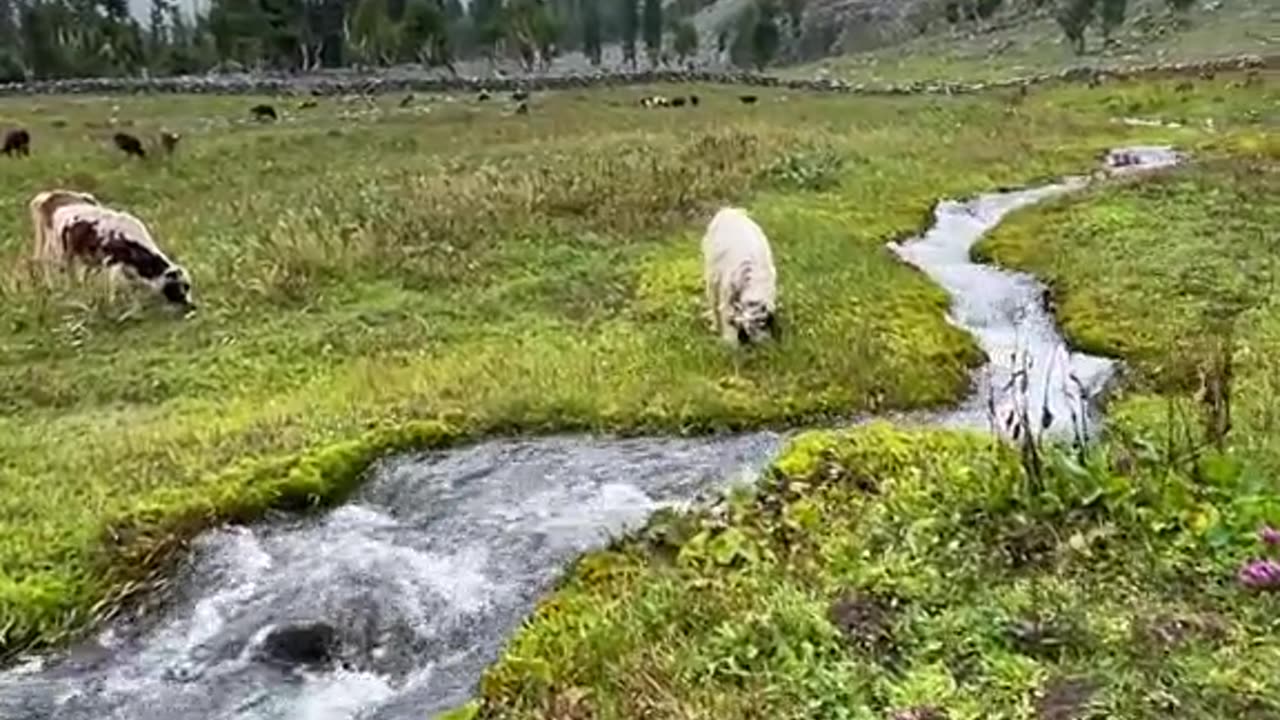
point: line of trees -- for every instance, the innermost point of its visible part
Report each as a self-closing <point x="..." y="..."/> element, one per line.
<point x="76" y="38"/>
<point x="1076" y="16"/>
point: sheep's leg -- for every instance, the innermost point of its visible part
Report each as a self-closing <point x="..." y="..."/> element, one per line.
<point x="711" y="313"/>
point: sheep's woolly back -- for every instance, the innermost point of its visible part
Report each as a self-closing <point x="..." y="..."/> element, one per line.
<point x="43" y="208"/>
<point x="737" y="254"/>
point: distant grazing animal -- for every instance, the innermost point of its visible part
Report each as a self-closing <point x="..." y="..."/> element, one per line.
<point x="522" y="109"/>
<point x="741" y="280"/>
<point x="73" y="229"/>
<point x="17" y="142"/>
<point x="169" y="141"/>
<point x="520" y="95"/>
<point x="1185" y="86"/>
<point x="693" y="100"/>
<point x="482" y="95"/>
<point x="407" y="100"/>
<point x="654" y="101"/>
<point x="1207" y="75"/>
<point x="308" y="104"/>
<point x="677" y="102"/>
<point x="129" y="144"/>
<point x="264" y="112"/>
<point x="748" y="99"/>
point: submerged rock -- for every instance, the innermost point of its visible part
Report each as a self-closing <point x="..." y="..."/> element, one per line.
<point x="302" y="644"/>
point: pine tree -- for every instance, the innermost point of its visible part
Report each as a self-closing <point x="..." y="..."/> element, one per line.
<point x="765" y="37"/>
<point x="685" y="42"/>
<point x="1111" y="13"/>
<point x="591" y="36"/>
<point x="1074" y="17"/>
<point x="630" y="29"/>
<point x="653" y="29"/>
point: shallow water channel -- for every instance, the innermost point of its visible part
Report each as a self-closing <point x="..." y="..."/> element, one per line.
<point x="402" y="596"/>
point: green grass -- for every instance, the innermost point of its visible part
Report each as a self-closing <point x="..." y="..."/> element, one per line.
<point x="1034" y="46"/>
<point x="881" y="571"/>
<point x="371" y="282"/>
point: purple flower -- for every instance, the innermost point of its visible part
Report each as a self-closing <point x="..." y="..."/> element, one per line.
<point x="1261" y="575"/>
<point x="1270" y="536"/>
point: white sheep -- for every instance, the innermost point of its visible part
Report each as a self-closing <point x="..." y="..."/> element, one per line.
<point x="741" y="281"/>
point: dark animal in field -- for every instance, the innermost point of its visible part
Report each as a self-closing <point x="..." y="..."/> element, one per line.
<point x="748" y="99"/>
<point x="522" y="109"/>
<point x="17" y="143"/>
<point x="169" y="141"/>
<point x="693" y="100"/>
<point x="264" y="112"/>
<point x="129" y="144"/>
<point x="73" y="229"/>
<point x="520" y="95"/>
<point x="482" y="95"/>
<point x="406" y="101"/>
<point x="677" y="102"/>
<point x="1185" y="86"/>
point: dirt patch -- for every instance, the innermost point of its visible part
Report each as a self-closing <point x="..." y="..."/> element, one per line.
<point x="1168" y="631"/>
<point x="866" y="620"/>
<point x="1065" y="698"/>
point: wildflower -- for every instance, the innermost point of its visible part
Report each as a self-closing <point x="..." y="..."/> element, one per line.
<point x="1261" y="575"/>
<point x="1269" y="535"/>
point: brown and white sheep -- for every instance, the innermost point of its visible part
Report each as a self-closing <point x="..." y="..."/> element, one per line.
<point x="72" y="229"/>
<point x="741" y="280"/>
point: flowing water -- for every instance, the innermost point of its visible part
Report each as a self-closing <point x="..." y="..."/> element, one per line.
<point x="391" y="606"/>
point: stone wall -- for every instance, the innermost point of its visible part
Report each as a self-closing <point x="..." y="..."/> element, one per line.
<point x="348" y="83"/>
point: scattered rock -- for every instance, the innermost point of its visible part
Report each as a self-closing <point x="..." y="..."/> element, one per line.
<point x="306" y="644"/>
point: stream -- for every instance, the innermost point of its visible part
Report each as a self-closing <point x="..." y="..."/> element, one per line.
<point x="390" y="606"/>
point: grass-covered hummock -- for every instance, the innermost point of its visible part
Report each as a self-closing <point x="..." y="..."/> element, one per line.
<point x="450" y="262"/>
<point x="880" y="573"/>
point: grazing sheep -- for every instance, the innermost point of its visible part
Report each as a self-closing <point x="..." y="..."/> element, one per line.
<point x="677" y="102"/>
<point x="1185" y="86"/>
<point x="748" y="99"/>
<point x="74" y="229"/>
<point x="262" y="113"/>
<point x="406" y="101"/>
<point x="169" y="141"/>
<point x="741" y="281"/>
<point x="520" y="95"/>
<point x="308" y="104"/>
<point x="129" y="144"/>
<point x="482" y="95"/>
<point x="693" y="100"/>
<point x="17" y="142"/>
<point x="654" y="101"/>
<point x="522" y="109"/>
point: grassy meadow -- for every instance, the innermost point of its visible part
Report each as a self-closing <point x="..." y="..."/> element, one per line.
<point x="881" y="573"/>
<point x="377" y="277"/>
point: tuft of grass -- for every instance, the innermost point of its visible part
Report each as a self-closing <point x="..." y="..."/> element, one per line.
<point x="454" y="264"/>
<point x="880" y="571"/>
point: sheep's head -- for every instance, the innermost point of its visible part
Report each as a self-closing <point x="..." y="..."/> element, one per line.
<point x="754" y="322"/>
<point x="176" y="288"/>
